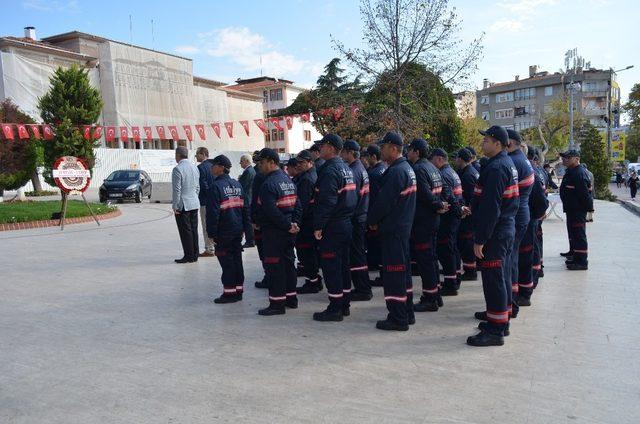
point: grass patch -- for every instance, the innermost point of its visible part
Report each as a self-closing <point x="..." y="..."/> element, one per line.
<point x="39" y="211"/>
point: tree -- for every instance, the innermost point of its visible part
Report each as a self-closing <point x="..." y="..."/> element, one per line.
<point x="70" y="103"/>
<point x="470" y="133"/>
<point x="632" y="109"/>
<point x="17" y="157"/>
<point x="400" y="33"/>
<point x="593" y="153"/>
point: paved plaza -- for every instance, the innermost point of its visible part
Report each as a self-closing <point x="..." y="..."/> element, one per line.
<point x="98" y="325"/>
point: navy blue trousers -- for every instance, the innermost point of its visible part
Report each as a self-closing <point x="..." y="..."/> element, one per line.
<point x="396" y="277"/>
<point x="279" y="265"/>
<point x="334" y="258"/>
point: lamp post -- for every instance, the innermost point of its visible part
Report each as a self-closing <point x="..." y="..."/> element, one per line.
<point x="609" y="101"/>
<point x="573" y="86"/>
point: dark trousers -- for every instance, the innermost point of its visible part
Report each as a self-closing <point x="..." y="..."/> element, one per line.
<point x="229" y="254"/>
<point x="396" y="278"/>
<point x="424" y="242"/>
<point x="306" y="248"/>
<point x="465" y="245"/>
<point x="358" y="259"/>
<point x="448" y="249"/>
<point x="280" y="270"/>
<point x="249" y="236"/>
<point x="374" y="255"/>
<point x="525" y="260"/>
<point x="576" y="228"/>
<point x="334" y="258"/>
<point x="187" y="222"/>
<point x="512" y="271"/>
<point x="537" y="254"/>
<point x="495" y="283"/>
<point x="259" y="247"/>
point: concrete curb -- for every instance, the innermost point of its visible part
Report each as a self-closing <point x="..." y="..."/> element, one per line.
<point x="630" y="206"/>
<point x="56" y="222"/>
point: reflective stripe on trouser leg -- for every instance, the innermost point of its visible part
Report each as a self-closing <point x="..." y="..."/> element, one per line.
<point x="334" y="258"/>
<point x="525" y="260"/>
<point x="512" y="269"/>
<point x="279" y="263"/>
<point x="447" y="252"/>
<point x="425" y="257"/>
<point x="494" y="283"/>
<point x="537" y="252"/>
<point x="465" y="245"/>
<point x="576" y="223"/>
<point x="358" y="259"/>
<point x="396" y="262"/>
<point x="306" y="246"/>
<point x="227" y="251"/>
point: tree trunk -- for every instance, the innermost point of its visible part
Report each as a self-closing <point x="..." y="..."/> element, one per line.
<point x="35" y="180"/>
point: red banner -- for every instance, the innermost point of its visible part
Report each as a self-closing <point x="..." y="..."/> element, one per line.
<point x="124" y="134"/>
<point x="305" y="117"/>
<point x="111" y="134"/>
<point x="276" y="123"/>
<point x="354" y="110"/>
<point x="289" y="120"/>
<point x="97" y="132"/>
<point x="245" y="125"/>
<point x="22" y="131"/>
<point x="148" y="135"/>
<point x="135" y="134"/>
<point x="161" y="134"/>
<point x="261" y="125"/>
<point x="187" y="131"/>
<point x="86" y="132"/>
<point x="174" y="132"/>
<point x="7" y="130"/>
<point x="337" y="113"/>
<point x="47" y="131"/>
<point x="216" y="128"/>
<point x="200" y="131"/>
<point x="36" y="131"/>
<point x="229" y="127"/>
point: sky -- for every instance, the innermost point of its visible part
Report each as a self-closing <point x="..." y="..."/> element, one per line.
<point x="292" y="39"/>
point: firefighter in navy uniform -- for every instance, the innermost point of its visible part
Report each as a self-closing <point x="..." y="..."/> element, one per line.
<point x="306" y="244"/>
<point x="278" y="216"/>
<point x="375" y="170"/>
<point x="534" y="158"/>
<point x="429" y="207"/>
<point x="335" y="201"/>
<point x="526" y="178"/>
<point x="257" y="234"/>
<point x="494" y="208"/>
<point x="447" y="248"/>
<point x="577" y="200"/>
<point x="392" y="214"/>
<point x="468" y="177"/>
<point x="474" y="158"/>
<point x="358" y="251"/>
<point x="225" y="225"/>
<point x="315" y="152"/>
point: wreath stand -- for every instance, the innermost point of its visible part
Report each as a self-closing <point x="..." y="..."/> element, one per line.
<point x="63" y="214"/>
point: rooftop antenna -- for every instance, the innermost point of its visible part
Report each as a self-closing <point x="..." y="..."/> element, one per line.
<point x="130" y="30"/>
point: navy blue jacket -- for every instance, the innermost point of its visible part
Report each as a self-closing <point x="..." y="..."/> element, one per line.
<point x="305" y="184"/>
<point x="335" y="196"/>
<point x="206" y="181"/>
<point x="452" y="190"/>
<point x="277" y="205"/>
<point x="395" y="205"/>
<point x="375" y="177"/>
<point x="525" y="182"/>
<point x="429" y="192"/>
<point x="468" y="178"/>
<point x="361" y="179"/>
<point x="575" y="191"/>
<point x="496" y="203"/>
<point x="224" y="208"/>
<point x="538" y="202"/>
<point x="318" y="164"/>
<point x="542" y="175"/>
<point x="476" y="165"/>
<point x="255" y="191"/>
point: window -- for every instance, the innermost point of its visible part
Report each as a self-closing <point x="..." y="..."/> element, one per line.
<point x="529" y="109"/>
<point x="274" y="135"/>
<point x="504" y="97"/>
<point x="484" y="100"/>
<point x="485" y="115"/>
<point x="504" y="113"/>
<point x="594" y="86"/>
<point x="307" y="135"/>
<point x="525" y="93"/>
<point x="275" y="94"/>
<point x="548" y="91"/>
<point x="267" y="137"/>
<point x="523" y="126"/>
<point x="265" y="96"/>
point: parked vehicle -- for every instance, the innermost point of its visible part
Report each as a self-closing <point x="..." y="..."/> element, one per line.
<point x="132" y="184"/>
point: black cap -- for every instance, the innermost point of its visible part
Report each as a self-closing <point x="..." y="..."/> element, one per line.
<point x="497" y="132"/>
<point x="351" y="145"/>
<point x="332" y="139"/>
<point x="267" y="153"/>
<point x="391" y="137"/>
<point x="315" y="147"/>
<point x="372" y="150"/>
<point x="514" y="135"/>
<point x="418" y="144"/>
<point x="571" y="153"/>
<point x="439" y="152"/>
<point x="221" y="160"/>
<point x="464" y="154"/>
<point x="471" y="150"/>
<point x="532" y="153"/>
<point x="292" y="162"/>
<point x="304" y="155"/>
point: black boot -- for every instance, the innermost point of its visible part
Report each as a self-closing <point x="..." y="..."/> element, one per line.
<point x="426" y="305"/>
<point x="228" y="298"/>
<point x="376" y="282"/>
<point x="262" y="284"/>
<point x="346" y="311"/>
<point x="485" y="339"/>
<point x="361" y="296"/>
<point x="439" y="300"/>
<point x="482" y="316"/>
<point x="448" y="291"/>
<point x="483" y="326"/>
<point x="291" y="302"/>
<point x="329" y="315"/>
<point x="524" y="301"/>
<point x="300" y="271"/>
<point x="577" y="266"/>
<point x="390" y="325"/>
<point x="273" y="309"/>
<point x="566" y="254"/>
<point x="311" y="286"/>
<point x="469" y="276"/>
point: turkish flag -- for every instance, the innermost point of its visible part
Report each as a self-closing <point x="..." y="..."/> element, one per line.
<point x="160" y="130"/>
<point x="124" y="134"/>
<point x="147" y="133"/>
<point x="7" y="129"/>
<point x="36" y="131"/>
<point x="276" y="123"/>
<point x="48" y="132"/>
<point x="289" y="120"/>
<point x="245" y="125"/>
<point x="304" y="117"/>
<point x="111" y="134"/>
<point x="261" y="125"/>
<point x="22" y="131"/>
<point x="174" y="132"/>
<point x="337" y="113"/>
<point x="229" y="127"/>
<point x="216" y="128"/>
<point x="97" y="132"/>
<point x="135" y="132"/>
<point x="86" y="132"/>
<point x="354" y="110"/>
<point x="201" y="133"/>
<point x="187" y="131"/>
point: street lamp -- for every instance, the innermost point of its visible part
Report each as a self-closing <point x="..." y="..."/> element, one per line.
<point x="573" y="87"/>
<point x="609" y="101"/>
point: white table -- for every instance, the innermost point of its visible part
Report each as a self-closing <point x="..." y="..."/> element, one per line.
<point x="554" y="201"/>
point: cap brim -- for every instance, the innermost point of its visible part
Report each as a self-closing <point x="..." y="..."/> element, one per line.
<point x="482" y="132"/>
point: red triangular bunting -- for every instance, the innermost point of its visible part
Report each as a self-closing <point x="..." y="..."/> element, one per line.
<point x="161" y="134"/>
<point x="304" y="117"/>
<point x="148" y="135"/>
<point x="86" y="132"/>
<point x="22" y="131"/>
<point x="216" y="128"/>
<point x="7" y="130"/>
<point x="35" y="129"/>
<point x="261" y="125"/>
<point x="174" y="132"/>
<point x="135" y="134"/>
<point x="187" y="131"/>
<point x="276" y="123"/>
<point x="200" y="131"/>
<point x="97" y="132"/>
<point x="111" y="134"/>
<point x="289" y="120"/>
<point x="47" y="131"/>
<point x="245" y="125"/>
<point x="229" y="128"/>
<point x="124" y="134"/>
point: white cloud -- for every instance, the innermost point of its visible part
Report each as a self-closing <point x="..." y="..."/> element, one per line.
<point x="50" y="6"/>
<point x="508" y="25"/>
<point x="187" y="49"/>
<point x="525" y="6"/>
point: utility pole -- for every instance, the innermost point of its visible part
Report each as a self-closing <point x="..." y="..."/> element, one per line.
<point x="609" y="101"/>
